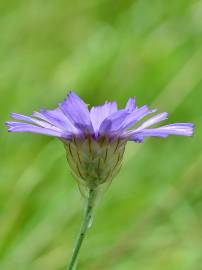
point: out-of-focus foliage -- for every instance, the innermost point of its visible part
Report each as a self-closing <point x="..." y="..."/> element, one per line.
<point x="151" y="217"/>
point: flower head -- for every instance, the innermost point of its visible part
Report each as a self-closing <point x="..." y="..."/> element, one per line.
<point x="95" y="139"/>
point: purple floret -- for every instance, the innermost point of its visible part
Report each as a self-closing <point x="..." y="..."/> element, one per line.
<point x="72" y="119"/>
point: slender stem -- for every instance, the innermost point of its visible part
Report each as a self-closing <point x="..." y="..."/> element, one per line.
<point x="85" y="224"/>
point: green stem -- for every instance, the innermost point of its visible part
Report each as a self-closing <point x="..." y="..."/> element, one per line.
<point x="85" y="225"/>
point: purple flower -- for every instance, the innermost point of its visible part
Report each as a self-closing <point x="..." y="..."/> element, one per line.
<point x="95" y="139"/>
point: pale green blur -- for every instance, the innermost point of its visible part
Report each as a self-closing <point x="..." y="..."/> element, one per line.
<point x="151" y="216"/>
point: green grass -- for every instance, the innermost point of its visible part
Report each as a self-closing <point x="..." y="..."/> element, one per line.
<point x="150" y="218"/>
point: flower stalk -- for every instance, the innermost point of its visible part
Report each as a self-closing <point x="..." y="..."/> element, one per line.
<point x="84" y="227"/>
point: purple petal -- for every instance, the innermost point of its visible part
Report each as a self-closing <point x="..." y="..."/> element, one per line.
<point x="23" y="127"/>
<point x="14" y="124"/>
<point x="114" y="123"/>
<point x="136" y="116"/>
<point x="33" y="120"/>
<point x="99" y="113"/>
<point x="77" y="112"/>
<point x="153" y="120"/>
<point x="57" y="118"/>
<point x="130" y="106"/>
<point x="138" y="139"/>
<point x="181" y="129"/>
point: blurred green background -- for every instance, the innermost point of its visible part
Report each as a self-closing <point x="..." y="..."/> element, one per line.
<point x="151" y="217"/>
